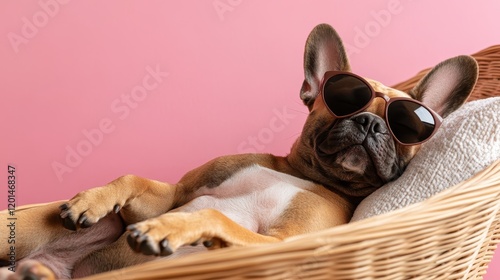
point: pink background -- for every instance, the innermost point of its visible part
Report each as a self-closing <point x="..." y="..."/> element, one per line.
<point x="232" y="86"/>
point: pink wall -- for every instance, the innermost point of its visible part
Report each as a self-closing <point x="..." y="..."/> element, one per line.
<point x="99" y="89"/>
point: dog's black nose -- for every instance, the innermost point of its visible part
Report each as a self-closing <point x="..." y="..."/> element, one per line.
<point x="370" y="123"/>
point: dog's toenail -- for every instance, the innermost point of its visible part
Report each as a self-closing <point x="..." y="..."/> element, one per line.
<point x="164" y="249"/>
<point x="208" y="243"/>
<point x="86" y="224"/>
<point x="64" y="207"/>
<point x="131" y="227"/>
<point x="135" y="233"/>
<point x="164" y="243"/>
<point x="82" y="219"/>
<point x="150" y="247"/>
<point x="132" y="243"/>
<point x="141" y="238"/>
<point x="64" y="214"/>
<point x="68" y="223"/>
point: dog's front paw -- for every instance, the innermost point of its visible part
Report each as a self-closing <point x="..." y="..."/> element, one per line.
<point x="88" y="207"/>
<point x="163" y="235"/>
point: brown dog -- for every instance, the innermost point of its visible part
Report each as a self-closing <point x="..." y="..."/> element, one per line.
<point x="351" y="144"/>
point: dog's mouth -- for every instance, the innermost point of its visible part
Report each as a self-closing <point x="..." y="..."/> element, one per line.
<point x="352" y="158"/>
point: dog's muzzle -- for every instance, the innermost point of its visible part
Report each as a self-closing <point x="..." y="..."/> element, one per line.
<point x="359" y="146"/>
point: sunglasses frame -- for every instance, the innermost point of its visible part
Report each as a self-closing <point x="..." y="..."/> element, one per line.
<point x="388" y="101"/>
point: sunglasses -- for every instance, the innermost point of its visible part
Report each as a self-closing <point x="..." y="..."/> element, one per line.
<point x="410" y="122"/>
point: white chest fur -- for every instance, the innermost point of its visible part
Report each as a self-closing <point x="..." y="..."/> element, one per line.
<point x="254" y="197"/>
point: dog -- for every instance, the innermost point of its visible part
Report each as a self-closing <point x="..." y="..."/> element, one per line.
<point x="359" y="135"/>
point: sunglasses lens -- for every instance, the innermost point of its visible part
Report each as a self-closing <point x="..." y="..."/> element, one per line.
<point x="410" y="122"/>
<point x="345" y="94"/>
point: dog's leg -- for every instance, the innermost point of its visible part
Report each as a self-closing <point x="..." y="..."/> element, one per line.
<point x="138" y="199"/>
<point x="43" y="247"/>
<point x="135" y="198"/>
<point x="29" y="269"/>
<point x="165" y="234"/>
<point x="40" y="225"/>
<point x="34" y="227"/>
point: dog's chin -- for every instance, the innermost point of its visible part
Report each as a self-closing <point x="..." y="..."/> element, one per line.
<point x="352" y="164"/>
<point x="348" y="163"/>
<point x="354" y="159"/>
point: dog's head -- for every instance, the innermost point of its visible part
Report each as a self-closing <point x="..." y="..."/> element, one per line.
<point x="357" y="154"/>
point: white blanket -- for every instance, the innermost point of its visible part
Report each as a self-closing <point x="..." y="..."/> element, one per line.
<point x="467" y="142"/>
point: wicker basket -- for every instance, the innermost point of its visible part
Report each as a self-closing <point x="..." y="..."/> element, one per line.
<point x="452" y="235"/>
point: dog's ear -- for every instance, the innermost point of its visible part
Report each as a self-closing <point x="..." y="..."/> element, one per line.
<point x="446" y="87"/>
<point x="324" y="51"/>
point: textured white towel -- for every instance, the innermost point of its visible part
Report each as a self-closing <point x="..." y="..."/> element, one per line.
<point x="467" y="142"/>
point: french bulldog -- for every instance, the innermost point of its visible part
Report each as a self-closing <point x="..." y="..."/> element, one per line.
<point x="359" y="135"/>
